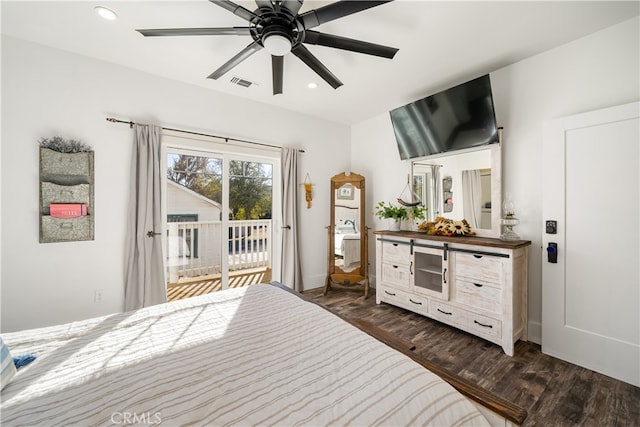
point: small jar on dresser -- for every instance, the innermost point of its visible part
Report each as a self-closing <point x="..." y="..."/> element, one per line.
<point x="475" y="284"/>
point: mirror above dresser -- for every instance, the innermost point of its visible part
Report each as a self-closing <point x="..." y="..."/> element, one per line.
<point x="462" y="185"/>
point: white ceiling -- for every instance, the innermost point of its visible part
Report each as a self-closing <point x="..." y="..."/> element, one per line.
<point x="441" y="44"/>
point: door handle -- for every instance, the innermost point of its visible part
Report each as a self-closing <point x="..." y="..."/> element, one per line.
<point x="552" y="253"/>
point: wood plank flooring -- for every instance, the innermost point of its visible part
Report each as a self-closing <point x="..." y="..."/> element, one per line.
<point x="554" y="392"/>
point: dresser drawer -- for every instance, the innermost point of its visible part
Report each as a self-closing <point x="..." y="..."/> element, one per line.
<point x="406" y="300"/>
<point x="480" y="268"/>
<point x="447" y="313"/>
<point x="483" y="325"/>
<point x="396" y="253"/>
<point x="397" y="275"/>
<point x="478" y="295"/>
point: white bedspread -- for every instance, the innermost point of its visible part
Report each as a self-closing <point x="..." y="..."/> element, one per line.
<point x="248" y="356"/>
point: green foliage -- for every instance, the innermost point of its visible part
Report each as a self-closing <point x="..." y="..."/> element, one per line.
<point x="391" y="211"/>
<point x="250" y="189"/>
<point x="400" y="212"/>
<point x="418" y="212"/>
<point x="250" y="183"/>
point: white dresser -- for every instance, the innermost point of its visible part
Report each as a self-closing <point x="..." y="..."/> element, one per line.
<point x="475" y="284"/>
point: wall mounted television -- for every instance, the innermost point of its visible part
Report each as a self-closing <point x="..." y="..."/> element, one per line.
<point x="458" y="118"/>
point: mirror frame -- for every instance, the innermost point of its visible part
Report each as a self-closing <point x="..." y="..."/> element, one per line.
<point x="496" y="185"/>
<point x="335" y="275"/>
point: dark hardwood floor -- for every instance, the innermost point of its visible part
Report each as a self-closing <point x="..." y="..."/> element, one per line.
<point x="554" y="392"/>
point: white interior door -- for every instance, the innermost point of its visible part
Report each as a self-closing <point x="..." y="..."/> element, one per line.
<point x="591" y="296"/>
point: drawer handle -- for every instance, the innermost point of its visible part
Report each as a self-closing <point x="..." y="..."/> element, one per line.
<point x="445" y="312"/>
<point x="389" y="293"/>
<point x="482" y="324"/>
<point x="415" y="302"/>
<point x="394" y="266"/>
<point x="395" y="244"/>
<point x="478" y="285"/>
<point x="477" y="256"/>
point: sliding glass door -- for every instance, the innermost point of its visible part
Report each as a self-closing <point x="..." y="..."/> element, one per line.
<point x="220" y="208"/>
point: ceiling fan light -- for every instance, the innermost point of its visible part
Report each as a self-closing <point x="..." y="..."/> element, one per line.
<point x="277" y="45"/>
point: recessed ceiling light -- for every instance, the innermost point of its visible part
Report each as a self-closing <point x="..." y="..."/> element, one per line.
<point x="312" y="85"/>
<point x="105" y="13"/>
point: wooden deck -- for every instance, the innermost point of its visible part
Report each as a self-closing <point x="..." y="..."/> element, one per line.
<point x="186" y="288"/>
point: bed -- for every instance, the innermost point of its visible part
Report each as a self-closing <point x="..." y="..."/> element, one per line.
<point x="258" y="355"/>
<point x="348" y="247"/>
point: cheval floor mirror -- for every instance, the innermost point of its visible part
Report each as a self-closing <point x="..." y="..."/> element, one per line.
<point x="347" y="253"/>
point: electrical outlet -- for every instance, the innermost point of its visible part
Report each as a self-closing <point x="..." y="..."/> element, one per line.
<point x="98" y="295"/>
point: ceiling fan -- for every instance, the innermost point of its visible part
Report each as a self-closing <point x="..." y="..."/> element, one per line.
<point x="277" y="27"/>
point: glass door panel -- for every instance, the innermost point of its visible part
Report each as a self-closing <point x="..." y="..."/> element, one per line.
<point x="194" y="214"/>
<point x="250" y="219"/>
<point x="431" y="272"/>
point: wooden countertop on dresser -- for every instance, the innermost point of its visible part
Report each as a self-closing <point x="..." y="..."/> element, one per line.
<point x="465" y="240"/>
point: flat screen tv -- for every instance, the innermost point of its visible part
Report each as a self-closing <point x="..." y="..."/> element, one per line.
<point x="455" y="119"/>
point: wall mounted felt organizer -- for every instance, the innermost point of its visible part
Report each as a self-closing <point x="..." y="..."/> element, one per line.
<point x="66" y="196"/>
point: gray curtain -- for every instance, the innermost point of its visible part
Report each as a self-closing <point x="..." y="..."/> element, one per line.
<point x="472" y="197"/>
<point x="145" y="282"/>
<point x="290" y="266"/>
<point x="437" y="193"/>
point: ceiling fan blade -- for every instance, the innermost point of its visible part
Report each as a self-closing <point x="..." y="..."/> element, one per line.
<point x="277" y="65"/>
<point x="230" y="31"/>
<point x="240" y="56"/>
<point x="344" y="43"/>
<point x="264" y="4"/>
<point x="336" y="10"/>
<point x="293" y="6"/>
<point x="312" y="62"/>
<point x="236" y="9"/>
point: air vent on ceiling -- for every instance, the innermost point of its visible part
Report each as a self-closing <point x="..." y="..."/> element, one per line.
<point x="241" y="82"/>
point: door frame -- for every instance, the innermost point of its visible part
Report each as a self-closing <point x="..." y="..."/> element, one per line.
<point x="619" y="359"/>
<point x="218" y="147"/>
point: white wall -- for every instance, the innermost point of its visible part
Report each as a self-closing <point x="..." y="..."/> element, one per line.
<point x="596" y="71"/>
<point x="48" y="92"/>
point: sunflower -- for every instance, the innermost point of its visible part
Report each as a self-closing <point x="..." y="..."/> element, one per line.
<point x="460" y="228"/>
<point x="442" y="228"/>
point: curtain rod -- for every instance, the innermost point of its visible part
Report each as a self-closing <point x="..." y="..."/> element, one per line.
<point x="226" y="139"/>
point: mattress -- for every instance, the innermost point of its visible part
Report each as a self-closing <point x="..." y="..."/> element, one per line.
<point x="256" y="355"/>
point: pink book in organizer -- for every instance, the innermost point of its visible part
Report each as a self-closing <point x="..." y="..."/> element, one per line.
<point x="67" y="210"/>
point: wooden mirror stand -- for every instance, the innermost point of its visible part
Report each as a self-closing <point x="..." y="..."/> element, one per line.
<point x="347" y="257"/>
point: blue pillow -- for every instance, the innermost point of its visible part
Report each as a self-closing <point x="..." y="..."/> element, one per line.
<point x="7" y="368"/>
<point x="23" y="360"/>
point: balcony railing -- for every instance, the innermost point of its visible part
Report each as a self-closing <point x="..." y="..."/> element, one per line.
<point x="196" y="248"/>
